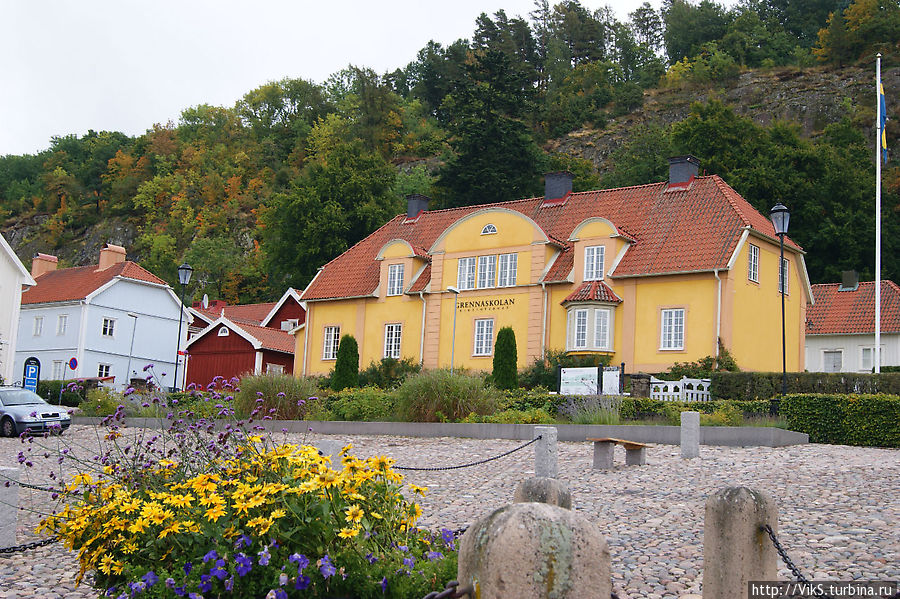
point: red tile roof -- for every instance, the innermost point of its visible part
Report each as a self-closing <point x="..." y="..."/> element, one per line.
<point x="274" y="339"/>
<point x="695" y="229"/>
<point x="838" y="312"/>
<point x="593" y="291"/>
<point x="249" y="313"/>
<point x="71" y="284"/>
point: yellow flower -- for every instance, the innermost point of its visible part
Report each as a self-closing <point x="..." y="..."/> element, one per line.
<point x="214" y="513"/>
<point x="106" y="563"/>
<point x="277" y="514"/>
<point x="212" y="499"/>
<point x="354" y="513"/>
<point x="417" y="489"/>
<point x="376" y="515"/>
<point x="348" y="533"/>
<point x="415" y="511"/>
<point x="179" y="500"/>
<point x="138" y="526"/>
<point x="260" y="524"/>
<point x="173" y="528"/>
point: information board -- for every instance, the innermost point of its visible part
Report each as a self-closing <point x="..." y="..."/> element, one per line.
<point x="579" y="381"/>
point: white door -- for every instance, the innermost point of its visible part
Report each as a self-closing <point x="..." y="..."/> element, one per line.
<point x="832" y="361"/>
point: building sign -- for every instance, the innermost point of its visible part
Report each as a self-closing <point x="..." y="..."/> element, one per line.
<point x="32" y="374"/>
<point x="502" y="303"/>
<point x="612" y="380"/>
<point x="579" y="381"/>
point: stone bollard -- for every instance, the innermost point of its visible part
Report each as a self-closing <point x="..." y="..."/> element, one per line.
<point x="9" y="504"/>
<point x="541" y="489"/>
<point x="545" y="452"/>
<point x="332" y="448"/>
<point x="735" y="548"/>
<point x="535" y="551"/>
<point x="690" y="434"/>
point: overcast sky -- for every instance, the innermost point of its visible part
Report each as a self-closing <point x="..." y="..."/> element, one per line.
<point x="68" y="66"/>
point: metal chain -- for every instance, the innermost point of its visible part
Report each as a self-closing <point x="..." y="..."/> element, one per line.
<point x="28" y="546"/>
<point x="454" y="591"/>
<point x="479" y="462"/>
<point x="787" y="561"/>
<point x="12" y="481"/>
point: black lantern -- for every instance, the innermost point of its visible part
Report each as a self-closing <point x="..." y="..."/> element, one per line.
<point x="184" y="277"/>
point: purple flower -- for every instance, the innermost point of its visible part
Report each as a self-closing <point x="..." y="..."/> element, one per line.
<point x="110" y="591"/>
<point x="280" y="394"/>
<point x="326" y="567"/>
<point x="409" y="562"/>
<point x="217" y="571"/>
<point x="384" y="584"/>
<point x="179" y="591"/>
<point x="188" y="566"/>
<point x="170" y="583"/>
<point x="229" y="584"/>
<point x="280" y="594"/>
<point x="371" y="558"/>
<point x="150" y="578"/>
<point x="129" y="391"/>
<point x="205" y="585"/>
<point x="302" y="582"/>
<point x="301" y="560"/>
<point x="244" y="564"/>
<point x="282" y="579"/>
<point x="403" y="548"/>
<point x="148" y="367"/>
<point x="264" y="557"/>
<point x="434" y="555"/>
<point x="210" y="556"/>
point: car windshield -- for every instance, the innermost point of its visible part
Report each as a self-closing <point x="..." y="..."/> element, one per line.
<point x="19" y="397"/>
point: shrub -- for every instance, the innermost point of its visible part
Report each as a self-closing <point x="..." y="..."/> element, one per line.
<point x="529" y="416"/>
<point x="72" y="396"/>
<point x="388" y="373"/>
<point x="543" y="371"/>
<point x="438" y="395"/>
<point x="505" y="359"/>
<point x="592" y="409"/>
<point x="704" y="367"/>
<point x="867" y="420"/>
<point x="280" y="396"/>
<point x="367" y="404"/>
<point x="346" y="368"/>
<point x="765" y="385"/>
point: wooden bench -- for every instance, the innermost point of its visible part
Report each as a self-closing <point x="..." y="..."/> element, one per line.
<point x="635" y="453"/>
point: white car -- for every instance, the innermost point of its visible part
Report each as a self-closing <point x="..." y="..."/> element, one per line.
<point x="21" y="410"/>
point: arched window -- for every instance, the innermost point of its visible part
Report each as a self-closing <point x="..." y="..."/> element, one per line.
<point x="224" y="332"/>
<point x="489" y="229"/>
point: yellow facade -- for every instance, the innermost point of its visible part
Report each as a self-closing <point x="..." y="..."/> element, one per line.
<point x="722" y="304"/>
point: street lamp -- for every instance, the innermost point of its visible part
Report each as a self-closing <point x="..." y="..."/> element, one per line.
<point x="184" y="277"/>
<point x="455" y="292"/>
<point x="130" y="349"/>
<point x="780" y="220"/>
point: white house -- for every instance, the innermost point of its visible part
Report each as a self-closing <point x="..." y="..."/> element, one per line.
<point x="13" y="276"/>
<point x="840" y="326"/>
<point x="114" y="318"/>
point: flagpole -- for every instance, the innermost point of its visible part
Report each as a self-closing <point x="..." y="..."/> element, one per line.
<point x="878" y="156"/>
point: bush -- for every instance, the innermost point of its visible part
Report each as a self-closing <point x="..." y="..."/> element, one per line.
<point x="866" y="420"/>
<point x="346" y="368"/>
<point x="765" y="385"/>
<point x="530" y="416"/>
<point x="505" y="359"/>
<point x="281" y="396"/>
<point x="369" y="404"/>
<point x="73" y="394"/>
<point x="704" y="367"/>
<point x="543" y="373"/>
<point x="439" y="395"/>
<point x="388" y="373"/>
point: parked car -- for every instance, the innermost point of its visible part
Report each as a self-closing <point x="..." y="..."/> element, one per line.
<point x="21" y="410"/>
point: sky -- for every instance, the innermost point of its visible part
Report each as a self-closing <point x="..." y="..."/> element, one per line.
<point x="69" y="66"/>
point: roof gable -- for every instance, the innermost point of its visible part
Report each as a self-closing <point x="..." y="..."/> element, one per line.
<point x="837" y="312"/>
<point x="14" y="260"/>
<point x="78" y="283"/>
<point x="258" y="336"/>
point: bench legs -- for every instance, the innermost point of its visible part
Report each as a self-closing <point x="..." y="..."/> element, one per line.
<point x="636" y="457"/>
<point x="603" y="455"/>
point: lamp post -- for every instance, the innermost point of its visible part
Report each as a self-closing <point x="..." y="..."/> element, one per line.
<point x="455" y="292"/>
<point x="130" y="349"/>
<point x="780" y="220"/>
<point x="184" y="277"/>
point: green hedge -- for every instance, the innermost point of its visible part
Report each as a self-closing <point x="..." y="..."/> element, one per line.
<point x="765" y="385"/>
<point x="49" y="390"/>
<point x="866" y="420"/>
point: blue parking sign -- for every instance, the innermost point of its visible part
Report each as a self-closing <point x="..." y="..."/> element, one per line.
<point x="32" y="374"/>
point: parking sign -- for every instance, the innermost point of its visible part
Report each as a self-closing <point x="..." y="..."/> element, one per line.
<point x="32" y="374"/>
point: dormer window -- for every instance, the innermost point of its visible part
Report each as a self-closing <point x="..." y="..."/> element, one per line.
<point x="395" y="279"/>
<point x="489" y="229"/>
<point x="593" y="262"/>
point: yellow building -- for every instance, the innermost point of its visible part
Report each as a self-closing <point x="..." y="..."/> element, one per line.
<point x="647" y="275"/>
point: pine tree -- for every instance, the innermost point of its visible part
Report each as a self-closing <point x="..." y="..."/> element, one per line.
<point x="505" y="358"/>
<point x="346" y="369"/>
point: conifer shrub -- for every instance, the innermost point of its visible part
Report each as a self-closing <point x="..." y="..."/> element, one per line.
<point x="440" y="396"/>
<point x="505" y="358"/>
<point x="346" y="369"/>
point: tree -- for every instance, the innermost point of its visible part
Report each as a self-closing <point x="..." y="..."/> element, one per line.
<point x="689" y="27"/>
<point x="505" y="359"/>
<point x="346" y="368"/>
<point x="647" y="26"/>
<point x="213" y="258"/>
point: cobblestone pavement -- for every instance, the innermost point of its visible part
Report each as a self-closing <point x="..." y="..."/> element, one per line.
<point x="839" y="517"/>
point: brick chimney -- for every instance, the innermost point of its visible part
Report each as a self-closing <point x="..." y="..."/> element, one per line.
<point x="43" y="263"/>
<point x="682" y="168"/>
<point x="557" y="185"/>
<point x="111" y="255"/>
<point x="416" y="203"/>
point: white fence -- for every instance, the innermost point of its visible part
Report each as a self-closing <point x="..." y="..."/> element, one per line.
<point x="684" y="390"/>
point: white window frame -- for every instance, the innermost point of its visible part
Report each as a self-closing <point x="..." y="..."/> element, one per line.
<point x="223" y="331"/>
<point x="489" y="229"/>
<point x="602" y="338"/>
<point x="594" y="258"/>
<point x="395" y="279"/>
<point x="108" y="327"/>
<point x="487" y="272"/>
<point x="671" y="329"/>
<point x="465" y="273"/>
<point x="871" y="351"/>
<point x="62" y="323"/>
<point x="784" y="270"/>
<point x="331" y="339"/>
<point x="59" y="370"/>
<point x="484" y="337"/>
<point x="580" y="330"/>
<point x="753" y="263"/>
<point x="103" y="370"/>
<point x="393" y="334"/>
<point x="274" y="368"/>
<point x="507" y="266"/>
<point x="589" y="328"/>
<point x="840" y="352"/>
<point x="38" y="326"/>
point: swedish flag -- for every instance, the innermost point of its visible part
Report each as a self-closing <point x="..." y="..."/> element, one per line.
<point x="881" y="132"/>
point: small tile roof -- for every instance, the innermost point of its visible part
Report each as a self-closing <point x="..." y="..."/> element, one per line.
<point x="685" y="230"/>
<point x="274" y="339"/>
<point x="593" y="291"/>
<point x="249" y="313"/>
<point x="838" y="312"/>
<point x="72" y="284"/>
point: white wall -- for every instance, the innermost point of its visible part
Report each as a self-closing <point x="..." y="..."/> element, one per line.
<point x="851" y="350"/>
<point x="49" y="345"/>
<point x="10" y="296"/>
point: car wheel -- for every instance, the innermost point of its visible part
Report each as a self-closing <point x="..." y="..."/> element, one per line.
<point x="8" y="427"/>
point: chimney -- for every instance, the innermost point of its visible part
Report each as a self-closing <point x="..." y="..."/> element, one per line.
<point x="416" y="203"/>
<point x="557" y="185"/>
<point x="111" y="255"/>
<point x="849" y="280"/>
<point x="682" y="168"/>
<point x="43" y="263"/>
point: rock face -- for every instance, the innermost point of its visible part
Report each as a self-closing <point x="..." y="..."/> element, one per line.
<point x="540" y="489"/>
<point x="81" y="246"/>
<point x="532" y="551"/>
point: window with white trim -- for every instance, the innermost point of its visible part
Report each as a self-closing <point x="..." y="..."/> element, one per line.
<point x="581" y="317"/>
<point x="59" y="370"/>
<point x="593" y="262"/>
<point x="395" y="279"/>
<point x="38" y="325"/>
<point x="506" y="276"/>
<point x="589" y="329"/>
<point x="867" y="358"/>
<point x="465" y="274"/>
<point x="330" y="343"/>
<point x="62" y="322"/>
<point x="392" y="333"/>
<point x="672" y="329"/>
<point x="223" y="331"/>
<point x="484" y="337"/>
<point x="487" y="271"/>
<point x="109" y="327"/>
<point x="601" y="328"/>
<point x="488" y="229"/>
<point x="753" y="263"/>
<point x="784" y="277"/>
<point x="103" y="370"/>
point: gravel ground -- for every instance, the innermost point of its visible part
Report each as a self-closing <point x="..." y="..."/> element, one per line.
<point x="839" y="516"/>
